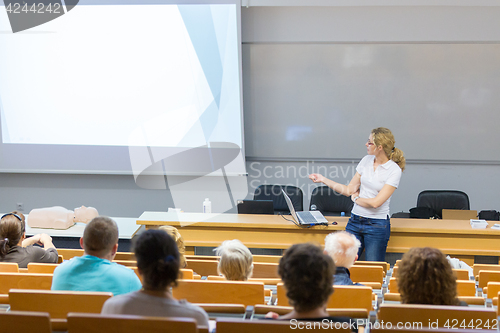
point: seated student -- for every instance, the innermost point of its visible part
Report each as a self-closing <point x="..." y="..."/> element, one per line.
<point x="94" y="271"/>
<point x="236" y="261"/>
<point x="15" y="247"/>
<point x="158" y="263"/>
<point x="343" y="248"/>
<point x="174" y="233"/>
<point x="307" y="274"/>
<point x="425" y="277"/>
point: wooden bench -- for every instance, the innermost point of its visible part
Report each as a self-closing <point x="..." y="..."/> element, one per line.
<point x="236" y="292"/>
<point x="10" y="281"/>
<point x="9" y="267"/>
<point x="228" y="325"/>
<point x="96" y="323"/>
<point x="34" y="267"/>
<point x="441" y="315"/>
<point x="57" y="303"/>
<point x="368" y="275"/>
<point x="352" y="297"/>
<point x="23" y="322"/>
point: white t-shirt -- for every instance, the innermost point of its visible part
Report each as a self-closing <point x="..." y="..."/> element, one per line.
<point x="372" y="182"/>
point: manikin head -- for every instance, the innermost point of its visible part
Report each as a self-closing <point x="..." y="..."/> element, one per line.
<point x="85" y="214"/>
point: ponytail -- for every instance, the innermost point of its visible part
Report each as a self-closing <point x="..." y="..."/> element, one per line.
<point x="398" y="157"/>
<point x="4" y="247"/>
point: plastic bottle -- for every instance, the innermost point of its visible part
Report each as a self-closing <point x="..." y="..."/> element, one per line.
<point x="207" y="206"/>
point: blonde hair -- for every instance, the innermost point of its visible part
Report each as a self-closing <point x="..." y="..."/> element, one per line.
<point x="342" y="247"/>
<point x="236" y="261"/>
<point x="175" y="234"/>
<point x="383" y="137"/>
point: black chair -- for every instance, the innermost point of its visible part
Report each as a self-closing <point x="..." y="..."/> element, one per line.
<point x="329" y="202"/>
<point x="273" y="192"/>
<point x="438" y="200"/>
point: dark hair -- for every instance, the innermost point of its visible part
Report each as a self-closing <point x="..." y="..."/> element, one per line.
<point x="157" y="259"/>
<point x="100" y="235"/>
<point x="12" y="227"/>
<point x="308" y="276"/>
<point x="425" y="277"/>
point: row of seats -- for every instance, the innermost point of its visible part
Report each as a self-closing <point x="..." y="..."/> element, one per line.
<point x="331" y="203"/>
<point x="58" y="310"/>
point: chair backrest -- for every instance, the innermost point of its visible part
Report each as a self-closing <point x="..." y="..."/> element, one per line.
<point x="128" y="263"/>
<point x="393" y="285"/>
<point x="343" y="297"/>
<point x="222" y="308"/>
<point x="487" y="276"/>
<point x="466" y="288"/>
<point x="70" y="253"/>
<point x="439" y="200"/>
<point x="235" y="292"/>
<point x="203" y="267"/>
<point x="461" y="274"/>
<point x="266" y="258"/>
<point x="125" y="256"/>
<point x="9" y="267"/>
<point x="22" y="322"/>
<point x="441" y="315"/>
<point x="329" y="202"/>
<point x="493" y="289"/>
<point x="24" y="281"/>
<point x="34" y="267"/>
<point x="360" y="273"/>
<point x="385" y="265"/>
<point x="282" y="310"/>
<point x="186" y="274"/>
<point x="484" y="267"/>
<point x="273" y="192"/>
<point x="230" y="325"/>
<point x="57" y="303"/>
<point x="96" y="323"/>
<point x="265" y="270"/>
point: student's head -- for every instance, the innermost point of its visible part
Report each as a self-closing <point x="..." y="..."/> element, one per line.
<point x="174" y="233"/>
<point x="100" y="237"/>
<point x="383" y="137"/>
<point x="12" y="228"/>
<point x="157" y="259"/>
<point x="236" y="261"/>
<point x="307" y="273"/>
<point x="343" y="248"/>
<point x="425" y="277"/>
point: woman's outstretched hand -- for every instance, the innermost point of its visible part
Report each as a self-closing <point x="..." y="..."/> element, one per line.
<point x="316" y="177"/>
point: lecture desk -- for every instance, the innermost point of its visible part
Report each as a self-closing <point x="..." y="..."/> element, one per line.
<point x="454" y="237"/>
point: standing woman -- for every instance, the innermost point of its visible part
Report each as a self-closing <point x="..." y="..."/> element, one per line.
<point x="377" y="177"/>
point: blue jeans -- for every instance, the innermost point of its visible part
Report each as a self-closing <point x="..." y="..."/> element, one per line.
<point x="372" y="233"/>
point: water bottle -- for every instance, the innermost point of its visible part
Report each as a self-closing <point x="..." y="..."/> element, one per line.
<point x="207" y="206"/>
<point x="313" y="207"/>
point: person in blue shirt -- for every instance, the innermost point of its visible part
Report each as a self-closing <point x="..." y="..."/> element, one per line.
<point x="343" y="248"/>
<point x="95" y="271"/>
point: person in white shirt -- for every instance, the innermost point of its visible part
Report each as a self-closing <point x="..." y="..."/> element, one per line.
<point x="377" y="177"/>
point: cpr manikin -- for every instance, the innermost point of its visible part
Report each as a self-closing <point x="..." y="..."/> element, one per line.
<point x="58" y="217"/>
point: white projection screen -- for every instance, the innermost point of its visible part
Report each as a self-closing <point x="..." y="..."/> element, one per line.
<point x="124" y="87"/>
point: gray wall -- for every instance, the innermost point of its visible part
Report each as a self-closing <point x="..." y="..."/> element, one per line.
<point x="439" y="22"/>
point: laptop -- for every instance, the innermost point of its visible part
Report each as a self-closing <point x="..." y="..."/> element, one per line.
<point x="306" y="217"/>
<point x="255" y="207"/>
<point x="459" y="214"/>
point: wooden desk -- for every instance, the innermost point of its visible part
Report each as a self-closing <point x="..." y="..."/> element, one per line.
<point x="453" y="237"/>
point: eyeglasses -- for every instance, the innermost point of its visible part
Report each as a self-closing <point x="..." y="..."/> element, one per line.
<point x="18" y="217"/>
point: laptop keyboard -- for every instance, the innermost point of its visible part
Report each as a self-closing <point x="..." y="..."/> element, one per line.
<point x="307" y="217"/>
